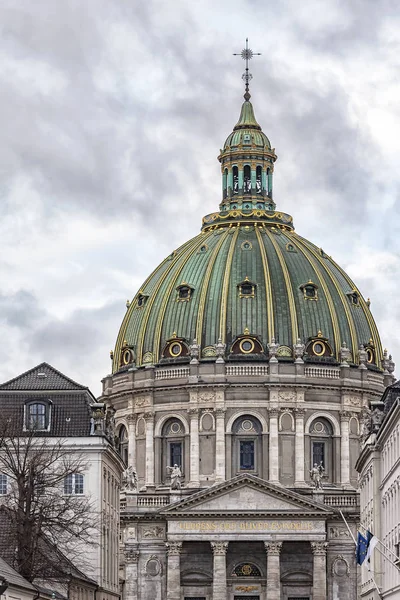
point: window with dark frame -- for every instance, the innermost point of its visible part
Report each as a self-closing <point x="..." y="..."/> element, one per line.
<point x="175" y="454"/>
<point x="318" y="453"/>
<point x="37" y="416"/>
<point x="246" y="455"/>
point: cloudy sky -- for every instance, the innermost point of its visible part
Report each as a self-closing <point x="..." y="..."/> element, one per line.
<point x="112" y="113"/>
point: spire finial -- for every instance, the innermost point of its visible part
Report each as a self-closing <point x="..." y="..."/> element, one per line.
<point x="247" y="54"/>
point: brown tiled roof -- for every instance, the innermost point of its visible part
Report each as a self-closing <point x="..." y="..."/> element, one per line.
<point x="43" y="377"/>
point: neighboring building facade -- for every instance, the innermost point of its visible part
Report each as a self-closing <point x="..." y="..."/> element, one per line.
<point x="60" y="409"/>
<point x="13" y="586"/>
<point x="246" y="357"/>
<point x="379" y="469"/>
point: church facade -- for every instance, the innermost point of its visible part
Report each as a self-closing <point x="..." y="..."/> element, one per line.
<point x="242" y="374"/>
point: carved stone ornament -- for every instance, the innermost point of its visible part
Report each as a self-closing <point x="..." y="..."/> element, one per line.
<point x="219" y="548"/>
<point x="194" y="352"/>
<point x="338" y="533"/>
<point x="287" y="395"/>
<point x="131" y="555"/>
<point x="362" y="357"/>
<point x="319" y="548"/>
<point x="153" y="566"/>
<point x="340" y="566"/>
<point x="353" y="400"/>
<point x="130" y="533"/>
<point x="299" y="350"/>
<point x="247" y="588"/>
<point x="345" y="355"/>
<point x="273" y="350"/>
<point x="153" y="532"/>
<point x="142" y="401"/>
<point x="206" y="397"/>
<point x="174" y="548"/>
<point x="274" y="412"/>
<point x="273" y="548"/>
<point x="220" y="348"/>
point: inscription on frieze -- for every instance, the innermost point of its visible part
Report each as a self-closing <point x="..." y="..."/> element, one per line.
<point x="244" y="526"/>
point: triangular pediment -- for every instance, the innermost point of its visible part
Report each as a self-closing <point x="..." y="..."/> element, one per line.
<point x="247" y="494"/>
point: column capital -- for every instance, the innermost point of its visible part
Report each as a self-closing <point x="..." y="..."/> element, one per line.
<point x="219" y="548"/>
<point x="132" y="418"/>
<point x="193" y="412"/>
<point x="173" y="548"/>
<point x="149" y="416"/>
<point x="220" y="412"/>
<point x="299" y="412"/>
<point x="273" y="412"/>
<point x="131" y="555"/>
<point x="273" y="548"/>
<point x="319" y="548"/>
<point x="345" y="415"/>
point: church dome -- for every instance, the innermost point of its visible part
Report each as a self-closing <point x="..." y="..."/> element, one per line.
<point x="248" y="283"/>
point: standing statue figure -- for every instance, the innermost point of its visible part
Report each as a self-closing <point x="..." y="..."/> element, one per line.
<point x="129" y="480"/>
<point x="317" y="473"/>
<point x="235" y="184"/>
<point x="362" y="357"/>
<point x="110" y="424"/>
<point x="365" y="423"/>
<point x="345" y="355"/>
<point x="258" y="186"/>
<point x="176" y="475"/>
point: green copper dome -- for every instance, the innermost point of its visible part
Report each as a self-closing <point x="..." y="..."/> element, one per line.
<point x="248" y="273"/>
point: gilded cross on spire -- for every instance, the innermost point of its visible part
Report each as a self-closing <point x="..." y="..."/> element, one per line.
<point x="247" y="54"/>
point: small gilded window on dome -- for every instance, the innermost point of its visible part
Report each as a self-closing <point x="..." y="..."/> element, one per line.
<point x="203" y="249"/>
<point x="310" y="290"/>
<point x="185" y="292"/>
<point x="247" y="289"/>
<point x="246" y="245"/>
<point x="354" y="298"/>
<point x="290" y="247"/>
<point x="246" y="138"/>
<point x="141" y="300"/>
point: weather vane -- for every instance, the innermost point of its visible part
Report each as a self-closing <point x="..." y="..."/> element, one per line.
<point x="247" y="54"/>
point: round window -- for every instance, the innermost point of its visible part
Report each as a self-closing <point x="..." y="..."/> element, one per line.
<point x="203" y="249"/>
<point x="246" y="346"/>
<point x="370" y="355"/>
<point x="318" y="348"/>
<point x="176" y="349"/>
<point x="247" y="425"/>
<point x="127" y="357"/>
<point x="175" y="427"/>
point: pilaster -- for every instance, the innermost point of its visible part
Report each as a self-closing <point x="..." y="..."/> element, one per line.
<point x="174" y="550"/>
<point x="219" y="569"/>
<point x="273" y="550"/>
<point x="319" y="570"/>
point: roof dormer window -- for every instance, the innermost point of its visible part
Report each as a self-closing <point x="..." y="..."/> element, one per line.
<point x="310" y="290"/>
<point x="37" y="416"/>
<point x="184" y="292"/>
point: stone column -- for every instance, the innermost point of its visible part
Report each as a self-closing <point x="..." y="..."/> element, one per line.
<point x="220" y="445"/>
<point x="273" y="550"/>
<point x="149" y="416"/>
<point x="131" y="572"/>
<point x="344" y="447"/>
<point x="132" y="440"/>
<point x="299" y="446"/>
<point x="319" y="570"/>
<point x="194" y="447"/>
<point x="174" y="550"/>
<point x="219" y="572"/>
<point x="273" y="446"/>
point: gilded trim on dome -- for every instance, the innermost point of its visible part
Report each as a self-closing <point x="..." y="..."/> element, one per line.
<point x="289" y="288"/>
<point x="350" y="320"/>
<point x="328" y="296"/>
<point x="206" y="282"/>
<point x="268" y="287"/>
<point x="225" y="286"/>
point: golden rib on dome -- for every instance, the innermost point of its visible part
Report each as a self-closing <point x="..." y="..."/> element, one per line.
<point x="198" y="242"/>
<point x="225" y="286"/>
<point x="350" y="320"/>
<point x="328" y="296"/>
<point x="268" y="287"/>
<point x="206" y="281"/>
<point x="289" y="289"/>
<point x="151" y="300"/>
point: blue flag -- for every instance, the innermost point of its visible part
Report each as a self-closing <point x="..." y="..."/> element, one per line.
<point x="362" y="546"/>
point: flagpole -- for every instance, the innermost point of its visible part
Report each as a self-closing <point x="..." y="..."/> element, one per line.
<point x="386" y="548"/>
<point x="354" y="540"/>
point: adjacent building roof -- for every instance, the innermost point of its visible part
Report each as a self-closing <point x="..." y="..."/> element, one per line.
<point x="42" y="377"/>
<point x="13" y="577"/>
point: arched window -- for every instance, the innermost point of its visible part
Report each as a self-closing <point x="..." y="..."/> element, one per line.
<point x="321" y="447"/>
<point x="37" y="415"/>
<point x="225" y="183"/>
<point x="258" y="180"/>
<point x="235" y="173"/>
<point x="247" y="179"/>
<point x="246" y="570"/>
<point x="268" y="182"/>
<point x="123" y="443"/>
<point x="173" y="447"/>
<point x="247" y="445"/>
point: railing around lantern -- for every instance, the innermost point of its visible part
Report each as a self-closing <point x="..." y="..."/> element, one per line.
<point x="246" y="370"/>
<point x="180" y="373"/>
<point x="322" y="372"/>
